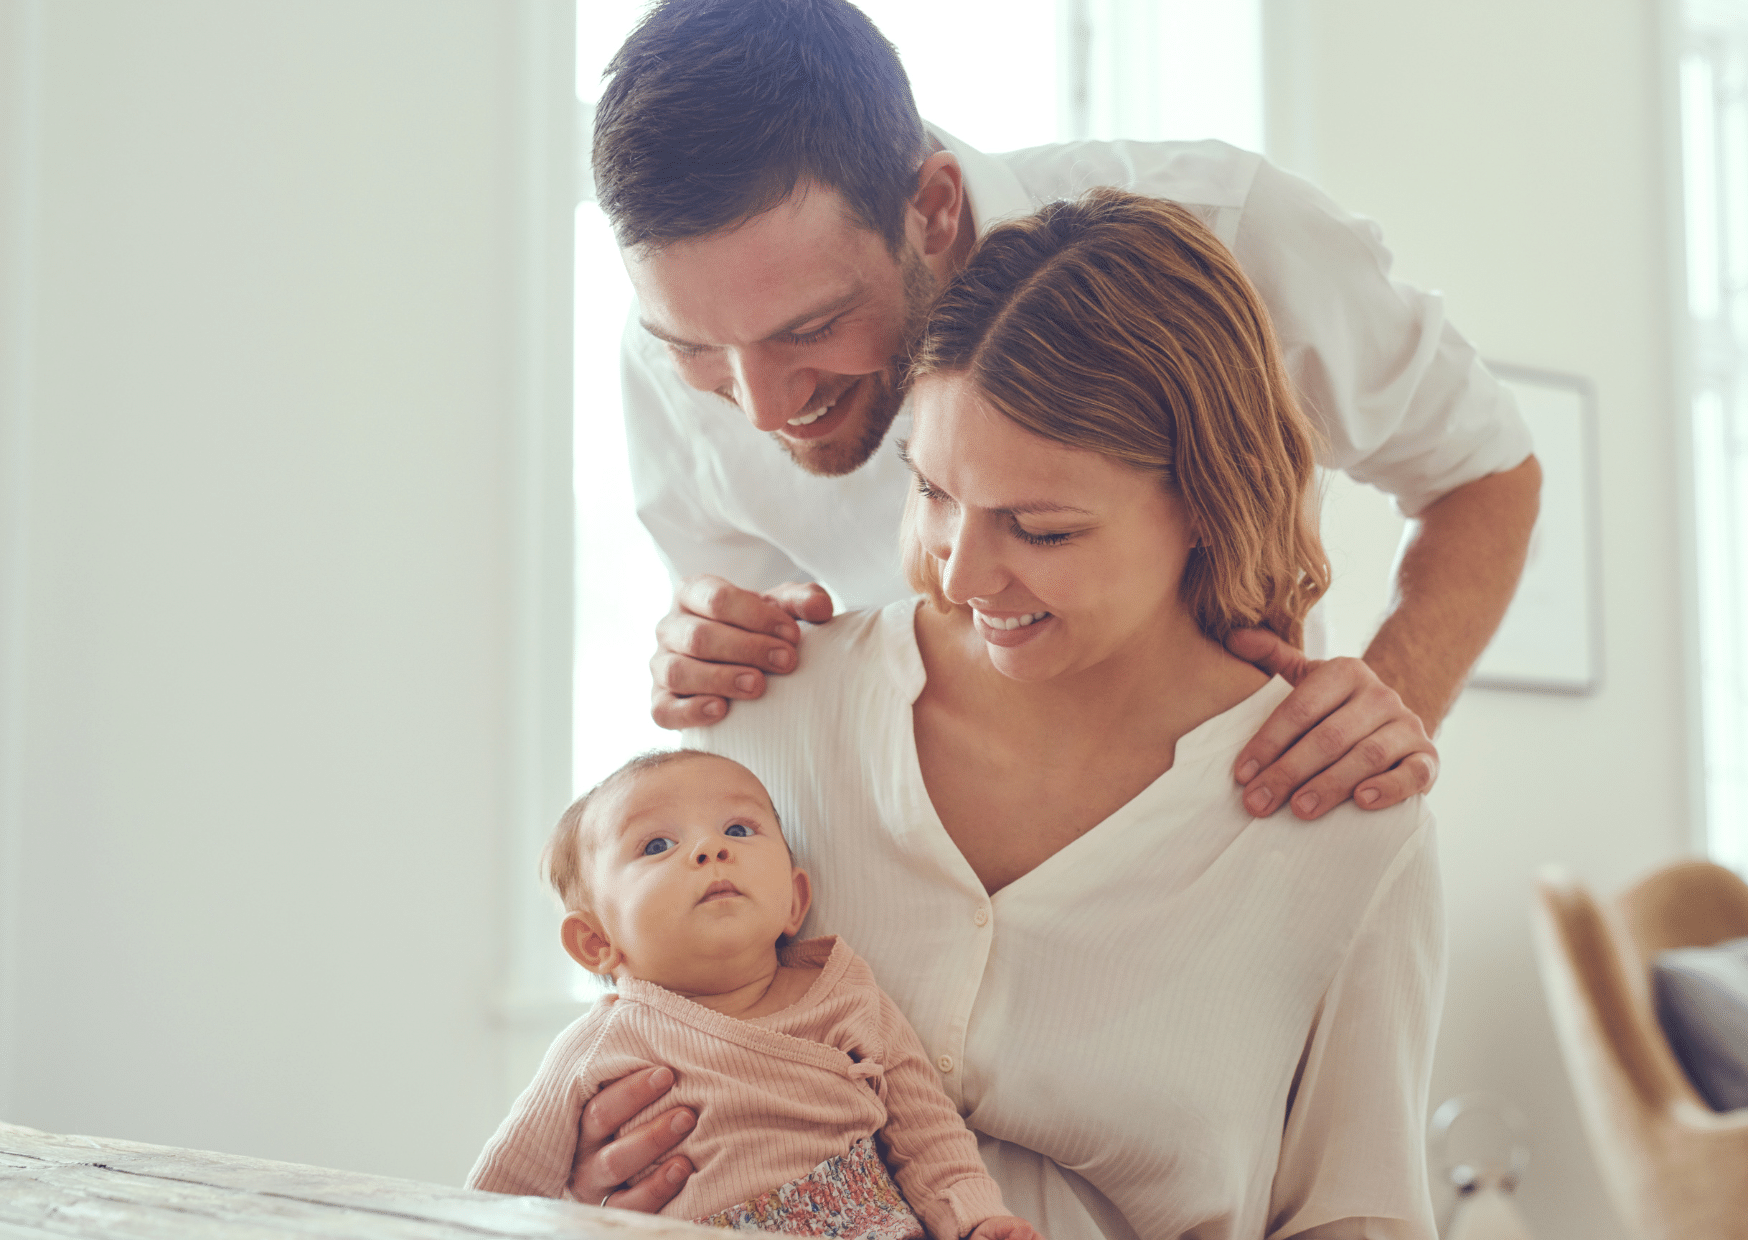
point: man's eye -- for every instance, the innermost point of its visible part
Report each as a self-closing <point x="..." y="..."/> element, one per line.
<point x="737" y="829"/>
<point x="815" y="336"/>
<point x="659" y="845"/>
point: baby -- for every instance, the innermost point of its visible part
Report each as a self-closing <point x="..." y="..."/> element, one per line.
<point x="807" y="1082"/>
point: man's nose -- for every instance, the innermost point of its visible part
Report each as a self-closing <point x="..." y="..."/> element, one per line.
<point x="768" y="392"/>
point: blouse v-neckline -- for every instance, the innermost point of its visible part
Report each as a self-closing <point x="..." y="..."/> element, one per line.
<point x="1174" y="795"/>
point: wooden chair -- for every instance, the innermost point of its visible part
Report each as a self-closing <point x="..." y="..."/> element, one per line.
<point x="1675" y="1169"/>
<point x="1687" y="904"/>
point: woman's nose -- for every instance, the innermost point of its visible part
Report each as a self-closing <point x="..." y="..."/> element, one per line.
<point x="969" y="566"/>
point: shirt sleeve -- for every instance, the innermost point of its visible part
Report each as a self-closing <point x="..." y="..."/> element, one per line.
<point x="533" y="1150"/>
<point x="1402" y="400"/>
<point x="931" y="1152"/>
<point x="1353" y="1156"/>
<point x="670" y="484"/>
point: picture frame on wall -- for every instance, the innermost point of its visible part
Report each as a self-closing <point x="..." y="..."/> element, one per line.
<point x="1551" y="638"/>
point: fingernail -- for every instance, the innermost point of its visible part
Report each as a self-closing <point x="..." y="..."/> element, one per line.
<point x="1369" y="796"/>
<point x="683" y="1122"/>
<point x="781" y="657"/>
<point x="713" y="709"/>
<point x="1258" y="800"/>
<point x="1248" y="771"/>
<point x="1307" y="803"/>
<point x="746" y="682"/>
<point x="660" y="1078"/>
<point x="676" y="1173"/>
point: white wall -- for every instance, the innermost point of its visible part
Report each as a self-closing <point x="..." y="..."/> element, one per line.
<point x="1516" y="156"/>
<point x="293" y="333"/>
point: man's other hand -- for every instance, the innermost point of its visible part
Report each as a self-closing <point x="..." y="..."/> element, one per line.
<point x="719" y="642"/>
<point x="604" y="1167"/>
<point x="1342" y="732"/>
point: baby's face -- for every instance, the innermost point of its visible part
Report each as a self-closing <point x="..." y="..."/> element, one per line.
<point x="690" y="879"/>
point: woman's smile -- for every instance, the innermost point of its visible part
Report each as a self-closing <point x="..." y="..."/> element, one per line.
<point x="1012" y="629"/>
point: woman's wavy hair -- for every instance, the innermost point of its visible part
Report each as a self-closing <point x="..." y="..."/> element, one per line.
<point x="1121" y="325"/>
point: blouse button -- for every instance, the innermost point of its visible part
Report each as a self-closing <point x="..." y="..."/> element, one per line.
<point x="981" y="917"/>
<point x="945" y="1063"/>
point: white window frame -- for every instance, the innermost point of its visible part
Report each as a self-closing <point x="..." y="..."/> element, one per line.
<point x="1711" y="41"/>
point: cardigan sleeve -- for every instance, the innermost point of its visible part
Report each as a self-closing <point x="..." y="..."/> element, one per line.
<point x="931" y="1152"/>
<point x="1353" y="1155"/>
<point x="533" y="1150"/>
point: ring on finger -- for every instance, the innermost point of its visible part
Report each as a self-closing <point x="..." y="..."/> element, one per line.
<point x="604" y="1200"/>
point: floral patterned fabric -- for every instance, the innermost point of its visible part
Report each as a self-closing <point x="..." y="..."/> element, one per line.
<point x="848" y="1197"/>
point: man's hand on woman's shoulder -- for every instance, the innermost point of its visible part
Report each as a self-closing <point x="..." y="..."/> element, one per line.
<point x="1342" y="732"/>
<point x="718" y="643"/>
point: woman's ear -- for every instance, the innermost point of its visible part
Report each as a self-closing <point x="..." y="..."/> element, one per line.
<point x="587" y="944"/>
<point x="803" y="900"/>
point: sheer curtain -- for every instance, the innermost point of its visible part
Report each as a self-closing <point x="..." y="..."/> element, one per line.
<point x="1714" y="98"/>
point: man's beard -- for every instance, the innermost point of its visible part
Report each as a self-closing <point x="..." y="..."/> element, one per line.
<point x="834" y="460"/>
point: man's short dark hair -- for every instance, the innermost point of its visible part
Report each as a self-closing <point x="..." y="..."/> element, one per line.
<point x="714" y="110"/>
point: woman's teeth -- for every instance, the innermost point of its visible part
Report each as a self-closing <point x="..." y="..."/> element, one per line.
<point x="806" y="418"/>
<point x="1011" y="622"/>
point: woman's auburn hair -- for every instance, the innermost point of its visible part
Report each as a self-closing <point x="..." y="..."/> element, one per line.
<point x="1121" y="325"/>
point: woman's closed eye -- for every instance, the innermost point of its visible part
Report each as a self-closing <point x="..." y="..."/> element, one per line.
<point x="1041" y="540"/>
<point x="658" y="846"/>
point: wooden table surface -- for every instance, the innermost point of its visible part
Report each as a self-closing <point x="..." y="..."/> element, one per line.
<point x="83" y="1186"/>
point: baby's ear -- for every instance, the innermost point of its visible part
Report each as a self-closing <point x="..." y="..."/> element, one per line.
<point x="801" y="902"/>
<point x="587" y="944"/>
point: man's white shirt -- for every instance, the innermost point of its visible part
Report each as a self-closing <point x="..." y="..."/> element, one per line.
<point x="1401" y="400"/>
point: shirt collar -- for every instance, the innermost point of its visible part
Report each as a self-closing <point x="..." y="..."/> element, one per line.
<point x="993" y="190"/>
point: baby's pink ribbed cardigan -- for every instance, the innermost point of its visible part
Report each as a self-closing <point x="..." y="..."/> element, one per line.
<point x="775" y="1096"/>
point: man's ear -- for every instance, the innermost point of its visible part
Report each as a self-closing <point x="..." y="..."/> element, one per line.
<point x="802" y="901"/>
<point x="586" y="943"/>
<point x="939" y="197"/>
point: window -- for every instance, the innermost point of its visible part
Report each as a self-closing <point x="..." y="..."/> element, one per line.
<point x="1714" y="110"/>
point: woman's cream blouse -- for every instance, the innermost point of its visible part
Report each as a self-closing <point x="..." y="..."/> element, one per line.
<point x="1186" y="1022"/>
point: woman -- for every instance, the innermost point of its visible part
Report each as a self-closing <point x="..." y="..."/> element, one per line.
<point x="1162" y="1016"/>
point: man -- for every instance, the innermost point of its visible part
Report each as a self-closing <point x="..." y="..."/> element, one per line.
<point x="786" y="217"/>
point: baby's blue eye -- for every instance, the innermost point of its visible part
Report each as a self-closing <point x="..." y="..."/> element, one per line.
<point x="659" y="845"/>
<point x="737" y="829"/>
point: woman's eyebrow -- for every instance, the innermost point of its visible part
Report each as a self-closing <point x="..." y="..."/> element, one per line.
<point x="1037" y="507"/>
<point x="1040" y="507"/>
<point x="903" y="446"/>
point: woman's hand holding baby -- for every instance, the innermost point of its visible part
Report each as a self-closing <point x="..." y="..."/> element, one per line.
<point x="1005" y="1227"/>
<point x="603" y="1165"/>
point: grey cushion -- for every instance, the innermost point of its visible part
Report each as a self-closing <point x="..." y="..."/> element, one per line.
<point x="1702" y="1000"/>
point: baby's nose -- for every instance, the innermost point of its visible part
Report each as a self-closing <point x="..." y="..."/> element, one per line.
<point x="703" y="857"/>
